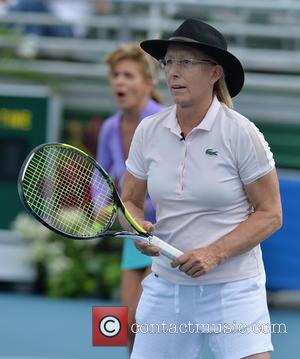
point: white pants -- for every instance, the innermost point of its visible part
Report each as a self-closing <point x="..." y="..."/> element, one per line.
<point x="173" y="320"/>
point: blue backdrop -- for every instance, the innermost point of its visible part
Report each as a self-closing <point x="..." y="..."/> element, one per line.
<point x="281" y="251"/>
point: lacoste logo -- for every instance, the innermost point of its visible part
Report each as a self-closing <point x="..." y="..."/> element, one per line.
<point x="211" y="152"/>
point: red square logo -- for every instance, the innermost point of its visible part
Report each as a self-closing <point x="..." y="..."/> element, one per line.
<point x="110" y="326"/>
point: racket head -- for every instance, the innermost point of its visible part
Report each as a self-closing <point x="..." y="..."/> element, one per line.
<point x="67" y="191"/>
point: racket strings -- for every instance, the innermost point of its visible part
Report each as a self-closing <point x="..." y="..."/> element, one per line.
<point x="50" y="209"/>
<point x="63" y="188"/>
<point x="68" y="192"/>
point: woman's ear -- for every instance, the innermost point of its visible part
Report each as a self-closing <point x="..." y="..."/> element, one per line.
<point x="217" y="73"/>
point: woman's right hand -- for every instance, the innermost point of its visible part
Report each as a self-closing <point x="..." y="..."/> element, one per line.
<point x="143" y="246"/>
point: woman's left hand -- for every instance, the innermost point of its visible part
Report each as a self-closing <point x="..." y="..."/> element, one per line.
<point x="197" y="262"/>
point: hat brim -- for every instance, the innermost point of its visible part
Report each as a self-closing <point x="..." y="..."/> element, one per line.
<point x="234" y="72"/>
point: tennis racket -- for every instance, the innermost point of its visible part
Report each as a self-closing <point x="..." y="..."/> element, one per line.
<point x="71" y="194"/>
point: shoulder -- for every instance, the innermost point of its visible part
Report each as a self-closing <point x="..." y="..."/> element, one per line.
<point x="234" y="117"/>
<point x="151" y="108"/>
<point x="110" y="123"/>
<point x="155" y="107"/>
<point x="156" y="119"/>
<point x="152" y="126"/>
<point x="237" y="124"/>
<point x="252" y="150"/>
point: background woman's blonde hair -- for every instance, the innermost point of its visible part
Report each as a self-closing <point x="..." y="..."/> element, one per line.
<point x="149" y="67"/>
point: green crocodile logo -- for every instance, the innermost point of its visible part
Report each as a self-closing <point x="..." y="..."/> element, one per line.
<point x="211" y="152"/>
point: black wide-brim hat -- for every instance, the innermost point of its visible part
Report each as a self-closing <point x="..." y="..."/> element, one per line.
<point x="206" y="38"/>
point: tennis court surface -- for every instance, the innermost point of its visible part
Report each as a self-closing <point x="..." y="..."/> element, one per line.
<point x="36" y="327"/>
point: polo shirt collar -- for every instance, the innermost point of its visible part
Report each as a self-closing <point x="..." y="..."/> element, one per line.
<point x="205" y="125"/>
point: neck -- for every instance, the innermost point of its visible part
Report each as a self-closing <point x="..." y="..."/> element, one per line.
<point x="132" y="115"/>
<point x="190" y="117"/>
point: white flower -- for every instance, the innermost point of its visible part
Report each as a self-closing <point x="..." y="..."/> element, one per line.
<point x="58" y="265"/>
<point x="29" y="228"/>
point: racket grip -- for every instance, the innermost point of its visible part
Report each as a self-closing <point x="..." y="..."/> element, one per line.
<point x="165" y="249"/>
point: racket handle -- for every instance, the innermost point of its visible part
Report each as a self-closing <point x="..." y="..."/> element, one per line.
<point x="165" y="249"/>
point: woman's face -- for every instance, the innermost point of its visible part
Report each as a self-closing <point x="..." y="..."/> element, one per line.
<point x="130" y="88"/>
<point x="189" y="85"/>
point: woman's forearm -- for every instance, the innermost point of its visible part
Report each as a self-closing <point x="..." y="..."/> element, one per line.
<point x="137" y="211"/>
<point x="133" y="196"/>
<point x="247" y="235"/>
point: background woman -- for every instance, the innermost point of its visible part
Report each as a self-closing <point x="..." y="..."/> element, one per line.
<point x="133" y="76"/>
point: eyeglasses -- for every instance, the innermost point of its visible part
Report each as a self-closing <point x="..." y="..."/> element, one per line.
<point x="186" y="64"/>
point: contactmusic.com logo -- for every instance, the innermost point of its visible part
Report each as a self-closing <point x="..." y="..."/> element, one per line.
<point x="110" y="326"/>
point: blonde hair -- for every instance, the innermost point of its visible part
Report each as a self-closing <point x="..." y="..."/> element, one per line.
<point x="149" y="68"/>
<point x="222" y="92"/>
<point x="220" y="87"/>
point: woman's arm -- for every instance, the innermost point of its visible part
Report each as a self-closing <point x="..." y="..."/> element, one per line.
<point x="264" y="196"/>
<point x="133" y="196"/>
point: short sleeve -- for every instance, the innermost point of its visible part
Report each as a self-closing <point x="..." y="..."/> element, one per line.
<point x="254" y="156"/>
<point x="136" y="163"/>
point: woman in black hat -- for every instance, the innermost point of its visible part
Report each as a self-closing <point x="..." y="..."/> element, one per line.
<point x="212" y="179"/>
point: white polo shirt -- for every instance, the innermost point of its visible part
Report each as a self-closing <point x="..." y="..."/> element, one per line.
<point x="196" y="184"/>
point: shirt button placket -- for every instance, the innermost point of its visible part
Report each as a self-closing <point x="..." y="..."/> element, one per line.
<point x="181" y="169"/>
